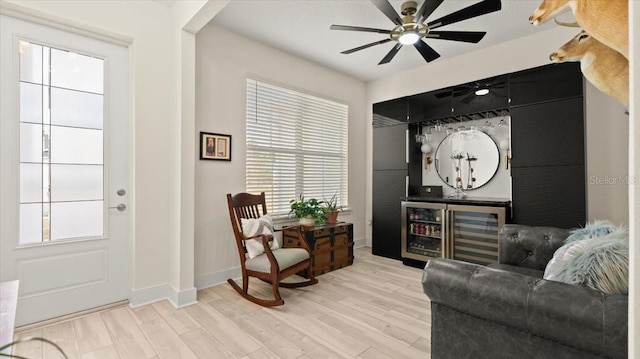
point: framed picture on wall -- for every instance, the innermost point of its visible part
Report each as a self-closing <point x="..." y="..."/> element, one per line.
<point x="215" y="146"/>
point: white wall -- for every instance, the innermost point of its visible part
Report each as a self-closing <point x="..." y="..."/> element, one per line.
<point x="516" y="55"/>
<point x="607" y="127"/>
<point x="224" y="60"/>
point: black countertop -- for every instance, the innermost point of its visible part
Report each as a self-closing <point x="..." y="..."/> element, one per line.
<point x="473" y="201"/>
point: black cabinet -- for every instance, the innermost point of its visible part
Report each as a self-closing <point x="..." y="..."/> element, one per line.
<point x="389" y="152"/>
<point x="392" y="112"/>
<point x="548" y="134"/>
<point x="545" y="83"/>
<point x="549" y="196"/>
<point x="548" y="164"/>
<point x="389" y="186"/>
<point x="388" y="191"/>
<point x="430" y="105"/>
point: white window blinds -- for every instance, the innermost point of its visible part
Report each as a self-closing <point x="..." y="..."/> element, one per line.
<point x="296" y="144"/>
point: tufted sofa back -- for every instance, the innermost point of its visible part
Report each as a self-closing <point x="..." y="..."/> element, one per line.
<point x="530" y="247"/>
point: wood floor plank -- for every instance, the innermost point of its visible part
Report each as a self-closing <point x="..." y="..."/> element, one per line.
<point x="277" y="344"/>
<point x="262" y="353"/>
<point x="207" y="295"/>
<point x="63" y="335"/>
<point x="165" y="341"/>
<point x="126" y="335"/>
<point x="91" y="333"/>
<point x="232" y="337"/>
<point x="373" y="353"/>
<point x="143" y="314"/>
<point x="178" y="319"/>
<point x="376" y="339"/>
<point x="205" y="345"/>
<point x="31" y="349"/>
<point x="108" y="352"/>
<point x="312" y="347"/>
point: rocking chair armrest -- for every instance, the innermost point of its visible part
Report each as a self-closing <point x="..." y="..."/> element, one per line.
<point x="298" y="229"/>
<point x="265" y="239"/>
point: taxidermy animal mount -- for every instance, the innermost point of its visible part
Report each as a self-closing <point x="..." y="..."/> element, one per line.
<point x="604" y="67"/>
<point x="606" y="20"/>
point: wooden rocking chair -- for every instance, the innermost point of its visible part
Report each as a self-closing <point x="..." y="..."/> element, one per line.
<point x="271" y="266"/>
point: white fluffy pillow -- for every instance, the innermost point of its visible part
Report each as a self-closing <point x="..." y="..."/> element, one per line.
<point x="600" y="262"/>
<point x="251" y="227"/>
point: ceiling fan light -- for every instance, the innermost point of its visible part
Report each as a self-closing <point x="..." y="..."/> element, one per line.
<point x="409" y="38"/>
<point x="482" y="92"/>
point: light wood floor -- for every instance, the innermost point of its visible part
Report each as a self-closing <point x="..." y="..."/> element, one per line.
<point x="372" y="309"/>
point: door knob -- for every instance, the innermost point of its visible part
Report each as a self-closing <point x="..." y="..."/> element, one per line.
<point x="121" y="207"/>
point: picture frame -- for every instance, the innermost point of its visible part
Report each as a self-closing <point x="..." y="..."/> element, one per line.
<point x="215" y="146"/>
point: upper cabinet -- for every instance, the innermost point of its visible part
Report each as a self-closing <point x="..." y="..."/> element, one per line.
<point x="481" y="95"/>
<point x="430" y="105"/>
<point x="390" y="112"/>
<point x="545" y="83"/>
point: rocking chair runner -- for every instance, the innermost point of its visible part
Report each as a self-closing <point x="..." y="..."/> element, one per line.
<point x="271" y="266"/>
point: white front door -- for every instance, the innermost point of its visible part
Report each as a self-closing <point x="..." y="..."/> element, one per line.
<point x="64" y="169"/>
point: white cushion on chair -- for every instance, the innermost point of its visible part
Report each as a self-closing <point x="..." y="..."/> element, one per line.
<point x="286" y="257"/>
<point x="253" y="226"/>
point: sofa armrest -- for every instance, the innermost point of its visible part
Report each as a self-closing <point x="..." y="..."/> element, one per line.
<point x="530" y="247"/>
<point x="572" y="315"/>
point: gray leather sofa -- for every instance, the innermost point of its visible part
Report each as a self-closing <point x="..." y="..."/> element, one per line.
<point x="506" y="310"/>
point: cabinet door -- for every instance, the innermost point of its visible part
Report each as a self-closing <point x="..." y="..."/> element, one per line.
<point x="549" y="196"/>
<point x="545" y="83"/>
<point x="389" y="148"/>
<point x="388" y="190"/>
<point x="390" y="112"/>
<point x="548" y="134"/>
<point x="430" y="105"/>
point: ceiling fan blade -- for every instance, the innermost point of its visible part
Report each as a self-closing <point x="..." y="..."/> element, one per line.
<point x="391" y="54"/>
<point x="469" y="98"/>
<point x="426" y="51"/>
<point x="388" y="10"/>
<point x="358" y="28"/>
<point x="472" y="11"/>
<point x="365" y="46"/>
<point x="464" y="36"/>
<point x="427" y="8"/>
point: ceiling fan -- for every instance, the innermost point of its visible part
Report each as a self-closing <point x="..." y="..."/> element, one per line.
<point x="472" y="91"/>
<point x="411" y="29"/>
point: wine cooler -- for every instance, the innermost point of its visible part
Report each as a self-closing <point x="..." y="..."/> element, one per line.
<point x="463" y="232"/>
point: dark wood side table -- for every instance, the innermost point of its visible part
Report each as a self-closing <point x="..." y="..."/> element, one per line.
<point x="331" y="245"/>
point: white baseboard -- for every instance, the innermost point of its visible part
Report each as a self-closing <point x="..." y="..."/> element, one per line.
<point x="178" y="299"/>
<point x="357" y="243"/>
<point x="212" y="279"/>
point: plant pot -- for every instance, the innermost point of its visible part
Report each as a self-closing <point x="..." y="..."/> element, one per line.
<point x="308" y="222"/>
<point x="332" y="217"/>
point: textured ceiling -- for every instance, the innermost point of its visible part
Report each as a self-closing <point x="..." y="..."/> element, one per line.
<point x="301" y="28"/>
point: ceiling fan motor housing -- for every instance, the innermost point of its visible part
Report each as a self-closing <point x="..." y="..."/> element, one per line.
<point x="409" y="8"/>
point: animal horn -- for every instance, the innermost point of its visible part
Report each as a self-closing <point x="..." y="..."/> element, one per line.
<point x="567" y="24"/>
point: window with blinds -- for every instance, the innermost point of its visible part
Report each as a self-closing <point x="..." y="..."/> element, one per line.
<point x="296" y="144"/>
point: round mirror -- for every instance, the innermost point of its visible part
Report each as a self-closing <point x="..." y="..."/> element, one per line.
<point x="467" y="159"/>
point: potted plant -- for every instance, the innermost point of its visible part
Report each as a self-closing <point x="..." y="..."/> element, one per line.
<point x="331" y="209"/>
<point x="309" y="212"/>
